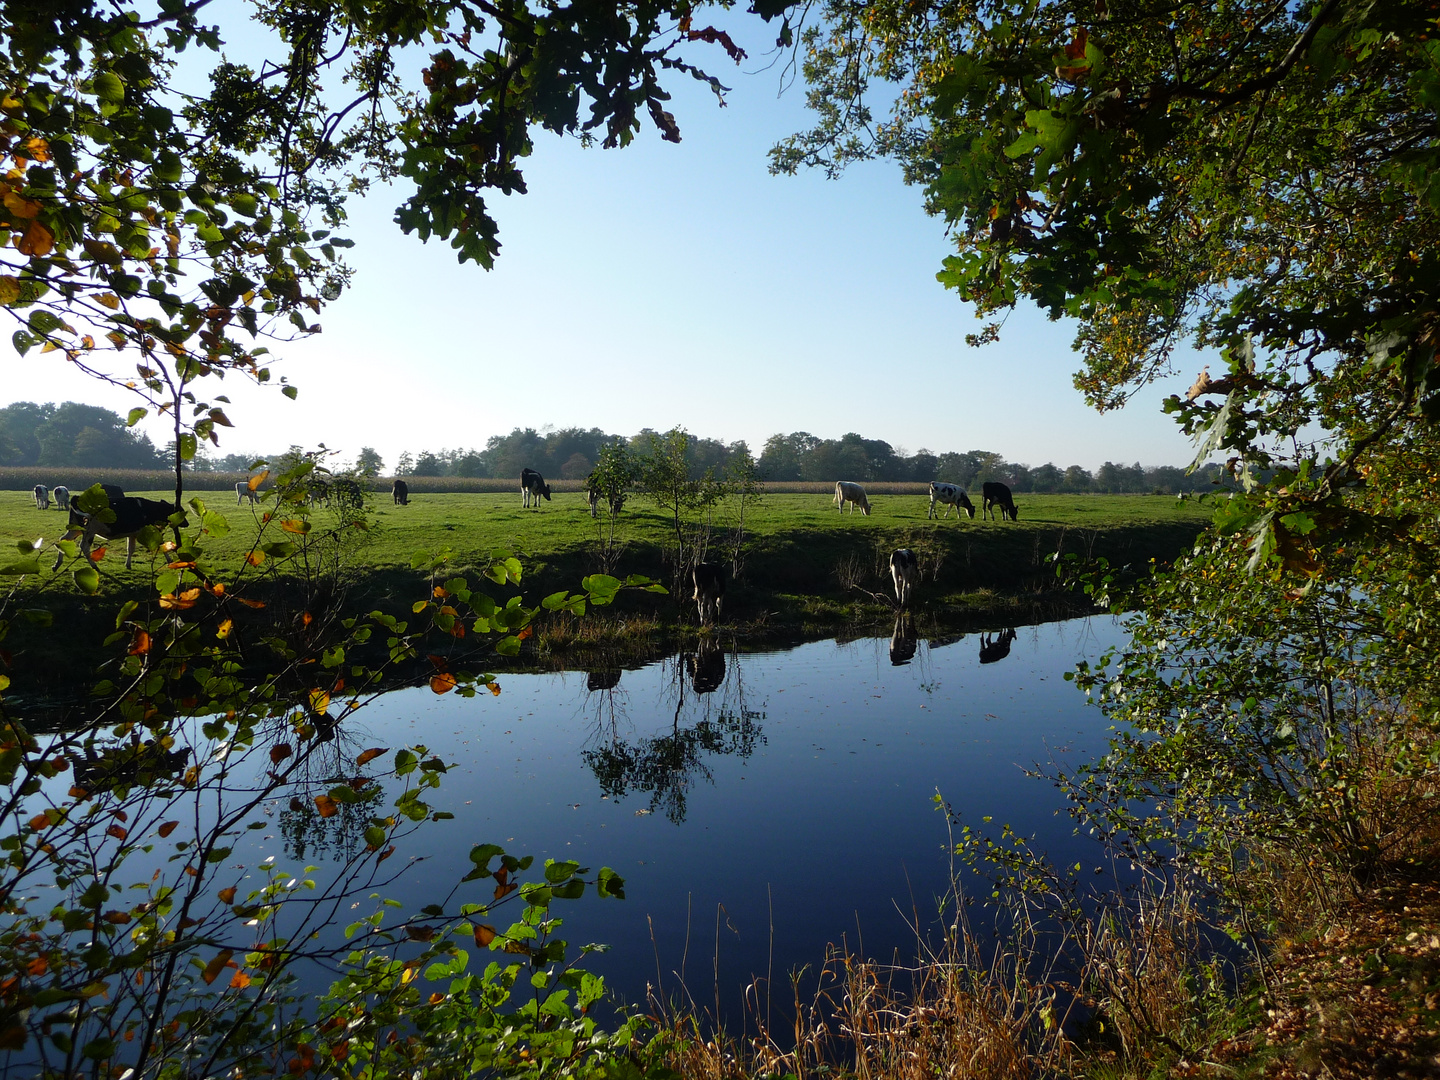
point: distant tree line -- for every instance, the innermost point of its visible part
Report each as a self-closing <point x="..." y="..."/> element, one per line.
<point x="72" y="434"/>
<point x="571" y="453"/>
<point x="89" y="436"/>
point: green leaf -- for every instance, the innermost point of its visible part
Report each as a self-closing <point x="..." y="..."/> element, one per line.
<point x="87" y="580"/>
<point x="109" y="87"/>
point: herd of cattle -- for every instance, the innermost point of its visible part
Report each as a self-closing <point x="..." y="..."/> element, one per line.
<point x="130" y="515"/>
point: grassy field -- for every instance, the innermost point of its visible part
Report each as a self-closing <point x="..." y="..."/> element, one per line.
<point x="796" y="542"/>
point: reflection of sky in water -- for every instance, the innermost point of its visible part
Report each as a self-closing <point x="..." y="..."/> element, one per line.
<point x="827" y="826"/>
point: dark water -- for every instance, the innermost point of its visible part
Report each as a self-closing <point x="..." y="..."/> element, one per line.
<point x="790" y="803"/>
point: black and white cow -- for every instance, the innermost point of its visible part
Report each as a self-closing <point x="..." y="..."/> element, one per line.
<point x="854" y="494"/>
<point x="950" y="495"/>
<point x="61" y="495"/>
<point x="708" y="580"/>
<point x="997" y="494"/>
<point x="532" y="486"/>
<point x="905" y="570"/>
<point x="400" y="492"/>
<point x="347" y="494"/>
<point x="996" y="648"/>
<point x="112" y="491"/>
<point x="244" y="491"/>
<point x="42" y="496"/>
<point x="129" y="515"/>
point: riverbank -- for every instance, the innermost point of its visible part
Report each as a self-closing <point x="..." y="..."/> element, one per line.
<point x="804" y="571"/>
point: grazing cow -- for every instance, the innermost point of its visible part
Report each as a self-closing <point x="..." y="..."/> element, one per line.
<point x="129" y="516"/>
<point x="244" y="491"/>
<point x="532" y="486"/>
<point x="42" y="496"/>
<point x="400" y="492"/>
<point x="708" y="580"/>
<point x="347" y="494"/>
<point x="113" y="491"/>
<point x="997" y="648"/>
<point x="594" y="495"/>
<point x="707" y="667"/>
<point x="854" y="494"/>
<point x="951" y="495"/>
<point x="61" y="495"/>
<point x="905" y="569"/>
<point x="996" y="494"/>
<point x="902" y="642"/>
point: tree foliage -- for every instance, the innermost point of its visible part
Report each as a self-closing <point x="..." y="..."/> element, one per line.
<point x="1257" y="180"/>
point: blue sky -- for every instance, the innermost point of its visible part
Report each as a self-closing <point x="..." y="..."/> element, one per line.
<point x="662" y="285"/>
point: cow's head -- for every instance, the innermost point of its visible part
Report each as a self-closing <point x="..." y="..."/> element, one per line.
<point x="545" y="490"/>
<point x="1014" y="512"/>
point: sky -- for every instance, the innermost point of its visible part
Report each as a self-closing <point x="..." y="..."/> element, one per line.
<point x="664" y="285"/>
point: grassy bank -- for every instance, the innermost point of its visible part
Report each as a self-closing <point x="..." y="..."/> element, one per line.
<point x="805" y="570"/>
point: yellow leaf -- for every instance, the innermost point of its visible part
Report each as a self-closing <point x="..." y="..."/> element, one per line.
<point x="109" y="300"/>
<point x="9" y="290"/>
<point x="442" y="682"/>
<point x="37" y="241"/>
<point x="214" y="967"/>
<point x="227" y="894"/>
<point x="319" y="701"/>
<point x="256" y="481"/>
<point x="223" y="631"/>
<point x="327" y="806"/>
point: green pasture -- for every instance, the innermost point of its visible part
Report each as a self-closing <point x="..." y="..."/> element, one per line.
<point x="793" y="542"/>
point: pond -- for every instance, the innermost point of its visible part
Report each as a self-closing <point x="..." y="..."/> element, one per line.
<point x="760" y="806"/>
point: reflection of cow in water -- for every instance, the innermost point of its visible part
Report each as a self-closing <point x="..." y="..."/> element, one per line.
<point x="902" y="642"/>
<point x="707" y="667"/>
<point x="996" y="649"/>
<point x="601" y="680"/>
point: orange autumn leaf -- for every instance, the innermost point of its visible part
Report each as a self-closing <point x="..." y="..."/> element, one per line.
<point x="256" y="481"/>
<point x="253" y="604"/>
<point x="227" y="894"/>
<point x="38" y="240"/>
<point x="327" y="806"/>
<point x="117" y="831"/>
<point x="39" y="821"/>
<point x="525" y="633"/>
<point x="484" y="935"/>
<point x="370" y="755"/>
<point x="141" y="645"/>
<point x="280" y="752"/>
<point x="442" y="682"/>
<point x="215" y="966"/>
<point x="167" y="828"/>
<point x="96" y="554"/>
<point x="239" y="981"/>
<point x="495" y="688"/>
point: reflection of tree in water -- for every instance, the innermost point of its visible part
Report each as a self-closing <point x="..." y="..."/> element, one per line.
<point x="306" y="832"/>
<point x="667" y="766"/>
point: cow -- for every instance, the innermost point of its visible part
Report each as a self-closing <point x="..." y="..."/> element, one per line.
<point x="112" y="491"/>
<point x="996" y="494"/>
<point x="902" y="642"/>
<point x="997" y="648"/>
<point x="42" y="496"/>
<point x="347" y="494"/>
<point x="61" y="495"/>
<point x="593" y="495"/>
<point x="244" y="491"/>
<point x="708" y="580"/>
<point x="951" y="495"/>
<point x="846" y="492"/>
<point x="905" y="570"/>
<point x="129" y="515"/>
<point x="400" y="492"/>
<point x="532" y="486"/>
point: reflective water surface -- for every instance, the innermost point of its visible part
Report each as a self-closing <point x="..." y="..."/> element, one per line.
<point x="760" y="806"/>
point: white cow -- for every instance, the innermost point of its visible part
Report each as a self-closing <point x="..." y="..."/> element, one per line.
<point x="905" y="569"/>
<point x="846" y="492"/>
<point x="243" y="491"/>
<point x="951" y="495"/>
<point x="42" y="496"/>
<point x="61" y="495"/>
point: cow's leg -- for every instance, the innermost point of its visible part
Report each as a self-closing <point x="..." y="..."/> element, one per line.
<point x="129" y="551"/>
